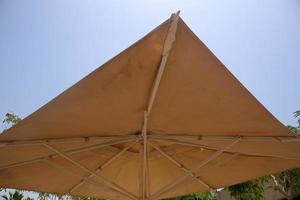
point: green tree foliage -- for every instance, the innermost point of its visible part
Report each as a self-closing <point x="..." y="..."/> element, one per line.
<point x="297" y="115"/>
<point x="252" y="189"/>
<point x="51" y="196"/>
<point x="296" y="129"/>
<point x="44" y="196"/>
<point x="11" y="119"/>
<point x="211" y="195"/>
<point x="16" y="195"/>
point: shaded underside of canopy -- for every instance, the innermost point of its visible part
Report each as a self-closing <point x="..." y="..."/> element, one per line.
<point x="113" y="135"/>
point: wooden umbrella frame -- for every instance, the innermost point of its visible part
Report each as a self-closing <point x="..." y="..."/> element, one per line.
<point x="144" y="138"/>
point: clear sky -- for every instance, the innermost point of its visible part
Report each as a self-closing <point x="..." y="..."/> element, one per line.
<point x="47" y="46"/>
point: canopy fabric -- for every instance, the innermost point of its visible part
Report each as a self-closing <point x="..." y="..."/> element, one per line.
<point x="161" y="119"/>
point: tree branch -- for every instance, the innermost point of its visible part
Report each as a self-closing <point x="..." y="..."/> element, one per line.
<point x="279" y="188"/>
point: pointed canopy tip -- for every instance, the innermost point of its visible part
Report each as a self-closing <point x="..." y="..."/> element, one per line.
<point x="176" y="14"/>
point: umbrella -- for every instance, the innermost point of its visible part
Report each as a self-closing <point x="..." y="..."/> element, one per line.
<point x="163" y="118"/>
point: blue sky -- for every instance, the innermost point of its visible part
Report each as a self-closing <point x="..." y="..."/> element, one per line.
<point x="47" y="46"/>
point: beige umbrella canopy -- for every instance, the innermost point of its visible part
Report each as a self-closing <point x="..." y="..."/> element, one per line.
<point x="163" y="118"/>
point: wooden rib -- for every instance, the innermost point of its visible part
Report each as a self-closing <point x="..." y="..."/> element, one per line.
<point x="194" y="170"/>
<point x="180" y="165"/>
<point x="187" y="143"/>
<point x="107" y="182"/>
<point x="91" y="182"/>
<point x="64" y="140"/>
<point x="104" y="165"/>
<point x="226" y="138"/>
<point x="69" y="152"/>
<point x="171" y="36"/>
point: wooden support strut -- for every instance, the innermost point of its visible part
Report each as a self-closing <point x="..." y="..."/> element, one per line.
<point x="68" y="152"/>
<point x="100" y="168"/>
<point x="193" y="144"/>
<point x="180" y="179"/>
<point x="169" y="136"/>
<point x="228" y="138"/>
<point x="180" y="165"/>
<point x="65" y="140"/>
<point x="170" y="38"/>
<point x="108" y="183"/>
<point x="91" y="182"/>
